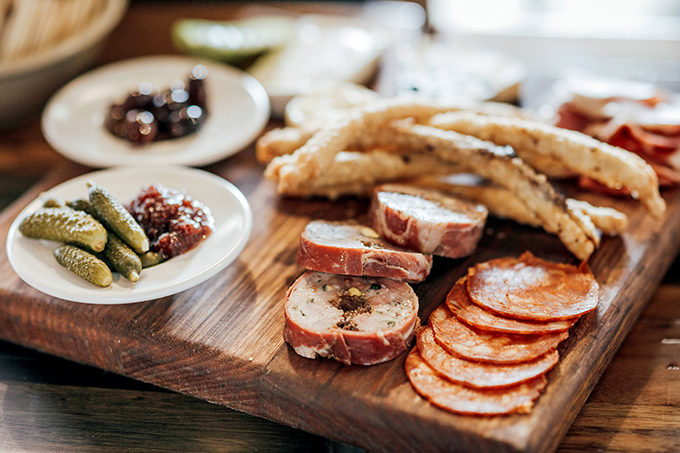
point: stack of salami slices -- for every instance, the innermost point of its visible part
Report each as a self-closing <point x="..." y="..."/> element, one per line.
<point x="355" y="304"/>
<point x="486" y="350"/>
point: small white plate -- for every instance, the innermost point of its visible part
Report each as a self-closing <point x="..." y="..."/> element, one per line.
<point x="323" y="50"/>
<point x="73" y="119"/>
<point x="34" y="262"/>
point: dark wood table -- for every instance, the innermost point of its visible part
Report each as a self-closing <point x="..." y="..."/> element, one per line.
<point x="51" y="404"/>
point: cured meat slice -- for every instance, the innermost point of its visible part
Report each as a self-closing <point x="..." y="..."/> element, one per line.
<point x="426" y="220"/>
<point x="478" y="345"/>
<point x="532" y="288"/>
<point x="464" y="400"/>
<point x="350" y="249"/>
<point x="655" y="143"/>
<point x="477" y="374"/>
<point x="458" y="301"/>
<point x="355" y="320"/>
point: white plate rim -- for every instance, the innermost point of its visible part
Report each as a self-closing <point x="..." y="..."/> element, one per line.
<point x="100" y="296"/>
<point x="279" y="97"/>
<point x="167" y="152"/>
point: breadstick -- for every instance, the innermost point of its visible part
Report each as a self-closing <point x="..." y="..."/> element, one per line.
<point x="279" y="142"/>
<point x="614" y="167"/>
<point x="609" y="220"/>
<point x="504" y="204"/>
<point x="503" y="168"/>
<point x="358" y="130"/>
<point x="358" y="173"/>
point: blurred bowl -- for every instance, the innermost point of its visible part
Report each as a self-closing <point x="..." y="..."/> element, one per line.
<point x="27" y="83"/>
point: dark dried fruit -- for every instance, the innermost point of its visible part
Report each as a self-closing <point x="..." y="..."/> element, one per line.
<point x="148" y="114"/>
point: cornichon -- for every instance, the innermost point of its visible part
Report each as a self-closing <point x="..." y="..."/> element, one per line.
<point x="150" y="259"/>
<point x="114" y="215"/>
<point x="53" y="202"/>
<point x="84" y="264"/>
<point x="122" y="258"/>
<point x="82" y="204"/>
<point x="65" y="225"/>
<point x="117" y="255"/>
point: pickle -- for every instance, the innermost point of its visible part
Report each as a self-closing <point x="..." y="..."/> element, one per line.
<point x="65" y="225"/>
<point x="150" y="259"/>
<point x="122" y="258"/>
<point x="82" y="204"/>
<point x="84" y="264"/>
<point x="116" y="218"/>
<point x="117" y="254"/>
<point x="53" y="202"/>
<point x="238" y="40"/>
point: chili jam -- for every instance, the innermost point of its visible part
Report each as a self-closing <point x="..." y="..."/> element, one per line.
<point x="174" y="221"/>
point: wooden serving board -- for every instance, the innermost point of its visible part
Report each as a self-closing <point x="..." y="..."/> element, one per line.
<point x="222" y="340"/>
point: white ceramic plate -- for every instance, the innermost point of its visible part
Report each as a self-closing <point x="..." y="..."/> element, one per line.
<point x="73" y="119"/>
<point x="33" y="259"/>
<point x="323" y="50"/>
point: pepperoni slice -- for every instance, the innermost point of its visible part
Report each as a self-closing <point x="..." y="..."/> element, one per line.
<point x="533" y="289"/>
<point x="458" y="301"/>
<point x="464" y="400"/>
<point x="482" y="346"/>
<point x="477" y="374"/>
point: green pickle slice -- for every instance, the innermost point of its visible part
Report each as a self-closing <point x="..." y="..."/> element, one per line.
<point x="231" y="41"/>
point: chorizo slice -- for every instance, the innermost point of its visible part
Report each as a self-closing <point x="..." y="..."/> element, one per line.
<point x="426" y="220"/>
<point x="477" y="374"/>
<point x="532" y="288"/>
<point x="458" y="301"/>
<point x="468" y="401"/>
<point x="352" y="249"/>
<point x="474" y="344"/>
<point x="355" y="320"/>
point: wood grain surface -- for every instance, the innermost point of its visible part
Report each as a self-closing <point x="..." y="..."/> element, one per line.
<point x="54" y="405"/>
<point x="221" y="341"/>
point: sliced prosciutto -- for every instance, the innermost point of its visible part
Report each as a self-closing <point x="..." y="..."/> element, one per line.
<point x="426" y="220"/>
<point x="355" y="320"/>
<point x="351" y="249"/>
<point x="635" y="116"/>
